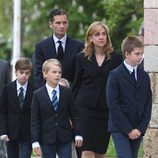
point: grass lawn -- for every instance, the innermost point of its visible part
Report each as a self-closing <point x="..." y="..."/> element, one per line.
<point x="111" y="150"/>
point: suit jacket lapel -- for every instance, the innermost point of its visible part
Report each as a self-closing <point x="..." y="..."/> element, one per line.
<point x="50" y="48"/>
<point x="28" y="94"/>
<point x="68" y="48"/>
<point x="128" y="77"/>
<point x="67" y="45"/>
<point x="15" y="95"/>
<point x="127" y="74"/>
<point x="47" y="99"/>
<point x="139" y="77"/>
<point x="60" y="98"/>
<point x="93" y="60"/>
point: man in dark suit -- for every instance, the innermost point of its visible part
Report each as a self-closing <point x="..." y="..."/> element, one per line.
<point x="58" y="46"/>
<point x="15" y="112"/>
<point x="4" y="79"/>
<point x="129" y="100"/>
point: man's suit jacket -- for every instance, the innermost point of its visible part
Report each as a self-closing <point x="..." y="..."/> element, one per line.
<point x="129" y="105"/>
<point x="46" y="49"/>
<point x="48" y="125"/>
<point x="15" y="122"/>
<point x="4" y="73"/>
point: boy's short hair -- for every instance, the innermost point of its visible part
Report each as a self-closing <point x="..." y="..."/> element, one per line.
<point x="130" y="43"/>
<point x="46" y="64"/>
<point x="23" y="64"/>
<point x="56" y="12"/>
<point x="64" y="82"/>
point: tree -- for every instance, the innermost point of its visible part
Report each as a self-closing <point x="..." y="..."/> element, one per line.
<point x="5" y="28"/>
<point x="122" y="16"/>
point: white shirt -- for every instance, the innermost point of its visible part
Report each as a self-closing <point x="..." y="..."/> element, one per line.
<point x="63" y="41"/>
<point x="50" y="90"/>
<point x="23" y="86"/>
<point x="130" y="69"/>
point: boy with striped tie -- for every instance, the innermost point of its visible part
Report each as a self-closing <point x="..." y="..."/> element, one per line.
<point x="15" y="112"/>
<point x="52" y="110"/>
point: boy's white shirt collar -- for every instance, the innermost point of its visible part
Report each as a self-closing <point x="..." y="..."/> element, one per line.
<point x="23" y="86"/>
<point x="50" y="89"/>
<point x="130" y="68"/>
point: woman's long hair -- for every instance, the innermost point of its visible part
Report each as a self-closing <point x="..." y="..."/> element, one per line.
<point x="89" y="46"/>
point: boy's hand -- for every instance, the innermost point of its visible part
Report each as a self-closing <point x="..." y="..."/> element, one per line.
<point x="78" y="143"/>
<point x="138" y="132"/>
<point x="134" y="134"/>
<point x="37" y="151"/>
<point x="4" y="138"/>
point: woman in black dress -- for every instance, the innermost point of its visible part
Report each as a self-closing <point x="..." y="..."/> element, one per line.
<point x="92" y="69"/>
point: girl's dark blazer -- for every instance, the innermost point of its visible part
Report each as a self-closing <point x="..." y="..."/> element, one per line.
<point x="48" y="125"/>
<point x="15" y="122"/>
<point x="129" y="104"/>
<point x="90" y="80"/>
<point x="45" y="50"/>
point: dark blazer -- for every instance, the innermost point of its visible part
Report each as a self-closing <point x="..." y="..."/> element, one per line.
<point x="129" y="105"/>
<point x="46" y="49"/>
<point x="48" y="125"/>
<point x="4" y="73"/>
<point x="15" y="122"/>
<point x="90" y="79"/>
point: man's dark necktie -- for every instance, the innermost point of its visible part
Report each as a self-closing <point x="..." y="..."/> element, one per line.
<point x="60" y="51"/>
<point x="54" y="99"/>
<point x="21" y="97"/>
<point x="133" y="76"/>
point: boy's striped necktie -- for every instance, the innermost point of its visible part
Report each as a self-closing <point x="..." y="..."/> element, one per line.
<point x="21" y="97"/>
<point x="54" y="99"/>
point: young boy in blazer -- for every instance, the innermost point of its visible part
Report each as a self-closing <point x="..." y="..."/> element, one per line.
<point x="52" y="110"/>
<point x="15" y="112"/>
<point x="129" y="100"/>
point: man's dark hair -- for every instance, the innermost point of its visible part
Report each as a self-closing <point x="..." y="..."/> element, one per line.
<point x="55" y="12"/>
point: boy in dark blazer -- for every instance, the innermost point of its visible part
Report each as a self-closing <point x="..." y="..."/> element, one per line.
<point x="129" y="100"/>
<point x="52" y="110"/>
<point x="49" y="48"/>
<point x="15" y="112"/>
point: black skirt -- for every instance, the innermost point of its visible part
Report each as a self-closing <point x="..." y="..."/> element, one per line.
<point x="94" y="128"/>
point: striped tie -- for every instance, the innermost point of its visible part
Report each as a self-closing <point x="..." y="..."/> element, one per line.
<point x="21" y="97"/>
<point x="54" y="99"/>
